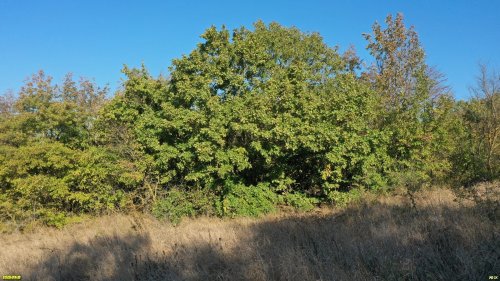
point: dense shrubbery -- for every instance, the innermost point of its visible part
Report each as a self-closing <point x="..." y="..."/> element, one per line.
<point x="242" y="200"/>
<point x="175" y="204"/>
<point x="50" y="166"/>
<point x="245" y="122"/>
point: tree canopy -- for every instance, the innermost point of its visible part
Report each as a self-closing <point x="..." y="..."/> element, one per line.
<point x="250" y="119"/>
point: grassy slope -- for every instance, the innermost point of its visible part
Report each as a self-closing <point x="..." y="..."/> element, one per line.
<point x="382" y="239"/>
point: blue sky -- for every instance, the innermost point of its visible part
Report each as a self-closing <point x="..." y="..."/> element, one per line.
<point x="95" y="38"/>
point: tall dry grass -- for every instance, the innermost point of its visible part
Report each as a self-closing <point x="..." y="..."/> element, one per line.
<point x="381" y="239"/>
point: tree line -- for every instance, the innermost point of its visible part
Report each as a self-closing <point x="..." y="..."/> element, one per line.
<point x="250" y="120"/>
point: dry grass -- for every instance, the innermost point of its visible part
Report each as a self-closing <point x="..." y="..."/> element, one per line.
<point x="382" y="239"/>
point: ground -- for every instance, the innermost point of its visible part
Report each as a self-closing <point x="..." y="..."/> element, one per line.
<point x="379" y="238"/>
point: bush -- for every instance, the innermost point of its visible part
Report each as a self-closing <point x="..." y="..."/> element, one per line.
<point x="100" y="180"/>
<point x="177" y="204"/>
<point x="241" y="200"/>
<point x="54" y="218"/>
<point x="342" y="199"/>
<point x="299" y="201"/>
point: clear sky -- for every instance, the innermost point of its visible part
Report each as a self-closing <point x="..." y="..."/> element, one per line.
<point x="95" y="38"/>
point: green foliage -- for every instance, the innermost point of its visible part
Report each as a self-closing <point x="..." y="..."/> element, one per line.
<point x="271" y="105"/>
<point x="100" y="181"/>
<point x="477" y="156"/>
<point x="176" y="204"/>
<point x="50" y="169"/>
<point x="242" y="200"/>
<point x="32" y="177"/>
<point x="248" y="120"/>
<point x="174" y="207"/>
<point x="414" y="108"/>
<point x="342" y="199"/>
<point x="53" y="218"/>
<point x="299" y="201"/>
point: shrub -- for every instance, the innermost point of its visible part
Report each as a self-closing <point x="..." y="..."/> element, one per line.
<point x="177" y="204"/>
<point x="342" y="199"/>
<point x="299" y="201"/>
<point x="242" y="200"/>
<point x="54" y="218"/>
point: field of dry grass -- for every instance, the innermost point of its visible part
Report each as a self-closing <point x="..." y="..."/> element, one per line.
<point x="377" y="239"/>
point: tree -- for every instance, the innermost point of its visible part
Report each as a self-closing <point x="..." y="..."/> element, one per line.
<point x="63" y="114"/>
<point x="7" y="104"/>
<point x="413" y="104"/>
<point x="49" y="166"/>
<point x="271" y="106"/>
<point x="478" y="155"/>
<point x="487" y="94"/>
<point x="400" y="64"/>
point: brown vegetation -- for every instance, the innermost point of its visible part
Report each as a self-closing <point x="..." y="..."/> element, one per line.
<point x="377" y="239"/>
